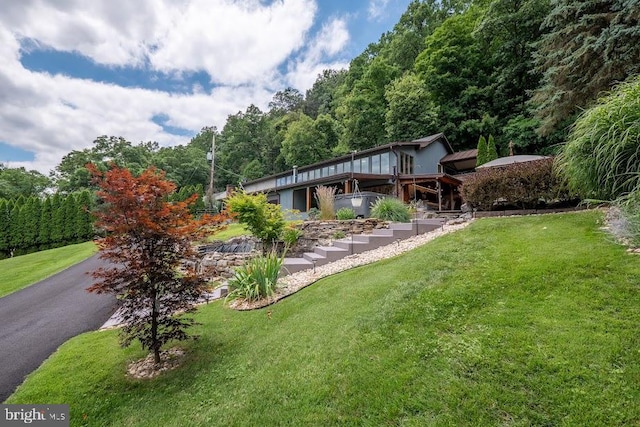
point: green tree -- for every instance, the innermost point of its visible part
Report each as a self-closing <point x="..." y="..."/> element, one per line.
<point x="455" y="69"/>
<point x="320" y="98"/>
<point x="57" y="220"/>
<point x="509" y="28"/>
<point x="589" y="46"/>
<point x="184" y="165"/>
<point x="44" y="232"/>
<point x="362" y="111"/>
<point x="411" y="113"/>
<point x="263" y="219"/>
<point x="402" y="45"/>
<point x="16" y="229"/>
<point x="6" y="206"/>
<point x="72" y="175"/>
<point x="307" y="141"/>
<point x="492" y="150"/>
<point x="483" y="151"/>
<point x="84" y="218"/>
<point x="198" y="205"/>
<point x="16" y="182"/>
<point x="285" y="101"/>
<point x="246" y="137"/>
<point x="32" y="212"/>
<point x="71" y="212"/>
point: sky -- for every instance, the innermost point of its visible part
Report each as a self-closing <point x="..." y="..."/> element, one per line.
<point x="161" y="70"/>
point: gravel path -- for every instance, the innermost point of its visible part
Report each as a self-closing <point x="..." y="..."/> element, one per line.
<point x="294" y="282"/>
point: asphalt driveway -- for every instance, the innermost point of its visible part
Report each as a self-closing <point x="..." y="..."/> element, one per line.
<point x="36" y="320"/>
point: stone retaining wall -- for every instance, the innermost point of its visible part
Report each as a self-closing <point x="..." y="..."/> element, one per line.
<point x="328" y="229"/>
<point x="220" y="265"/>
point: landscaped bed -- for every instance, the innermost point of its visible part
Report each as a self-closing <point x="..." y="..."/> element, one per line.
<point x="512" y="321"/>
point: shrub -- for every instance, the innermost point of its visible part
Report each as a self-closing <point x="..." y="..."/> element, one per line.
<point x="291" y="235"/>
<point x="256" y="279"/>
<point x="519" y="184"/>
<point x="263" y="219"/>
<point x="313" y="214"/>
<point x="345" y="213"/>
<point x="390" y="209"/>
<point x="601" y="158"/>
<point x="339" y="235"/>
<point x="325" y="197"/>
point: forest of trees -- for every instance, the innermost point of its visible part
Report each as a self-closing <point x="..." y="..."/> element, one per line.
<point x="517" y="70"/>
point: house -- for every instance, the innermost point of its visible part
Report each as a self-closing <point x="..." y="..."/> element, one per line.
<point x="423" y="171"/>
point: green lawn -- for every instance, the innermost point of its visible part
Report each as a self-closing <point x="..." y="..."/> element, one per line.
<point x="21" y="271"/>
<point x="233" y="230"/>
<point x="513" y="321"/>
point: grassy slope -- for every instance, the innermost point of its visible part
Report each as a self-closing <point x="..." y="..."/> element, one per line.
<point x="233" y="230"/>
<point x="22" y="271"/>
<point x="518" y="321"/>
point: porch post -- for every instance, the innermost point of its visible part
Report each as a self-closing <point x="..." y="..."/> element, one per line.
<point x="308" y="198"/>
<point x="439" y="186"/>
<point x="451" y="205"/>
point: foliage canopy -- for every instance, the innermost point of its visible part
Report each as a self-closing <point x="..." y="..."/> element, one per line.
<point x="147" y="238"/>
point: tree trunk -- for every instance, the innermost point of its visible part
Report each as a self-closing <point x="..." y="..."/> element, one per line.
<point x="155" y="345"/>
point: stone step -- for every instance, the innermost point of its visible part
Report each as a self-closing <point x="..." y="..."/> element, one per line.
<point x="331" y="253"/>
<point x="359" y="243"/>
<point x="314" y="256"/>
<point x="294" y="265"/>
<point x="352" y="246"/>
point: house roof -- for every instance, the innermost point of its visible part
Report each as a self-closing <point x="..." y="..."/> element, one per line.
<point x="503" y="161"/>
<point x="420" y="143"/>
<point x="460" y="155"/>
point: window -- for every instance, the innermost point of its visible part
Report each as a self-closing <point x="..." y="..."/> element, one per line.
<point x="340" y="168"/>
<point x="356" y="165"/>
<point x="375" y="164"/>
<point x="406" y="164"/>
<point x="384" y="163"/>
<point x="346" y="166"/>
<point x="364" y="165"/>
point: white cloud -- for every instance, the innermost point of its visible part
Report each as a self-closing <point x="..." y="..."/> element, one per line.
<point x="233" y="41"/>
<point x="377" y="8"/>
<point x="240" y="44"/>
<point x="331" y="39"/>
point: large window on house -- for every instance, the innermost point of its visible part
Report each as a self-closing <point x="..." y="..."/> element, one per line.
<point x="364" y="165"/>
<point x="375" y="164"/>
<point x="406" y="164"/>
<point x="384" y="163"/>
<point x="356" y="165"/>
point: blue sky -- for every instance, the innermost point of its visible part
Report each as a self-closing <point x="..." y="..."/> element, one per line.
<point x="160" y="70"/>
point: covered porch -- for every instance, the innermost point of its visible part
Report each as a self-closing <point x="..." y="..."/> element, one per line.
<point x="435" y="191"/>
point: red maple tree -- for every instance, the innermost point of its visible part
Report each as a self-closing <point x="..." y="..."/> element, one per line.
<point x="147" y="240"/>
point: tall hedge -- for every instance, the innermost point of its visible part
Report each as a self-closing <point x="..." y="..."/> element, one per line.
<point x="32" y="224"/>
<point x="523" y="185"/>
